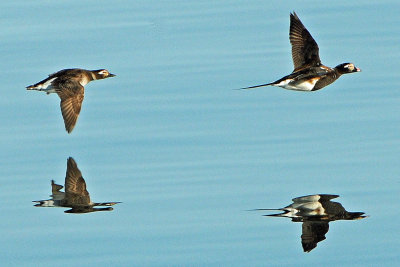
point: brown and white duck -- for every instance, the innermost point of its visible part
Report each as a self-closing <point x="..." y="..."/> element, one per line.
<point x="69" y="85"/>
<point x="309" y="73"/>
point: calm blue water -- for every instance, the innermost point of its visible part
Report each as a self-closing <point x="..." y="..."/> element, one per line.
<point x="185" y="153"/>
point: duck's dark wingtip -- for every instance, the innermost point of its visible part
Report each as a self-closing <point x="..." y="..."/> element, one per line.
<point x="294" y="15"/>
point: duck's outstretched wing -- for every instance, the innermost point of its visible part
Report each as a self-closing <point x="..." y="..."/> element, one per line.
<point x="71" y="94"/>
<point x="305" y="51"/>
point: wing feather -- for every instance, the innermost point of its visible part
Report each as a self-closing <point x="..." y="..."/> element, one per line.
<point x="71" y="94"/>
<point x="305" y="51"/>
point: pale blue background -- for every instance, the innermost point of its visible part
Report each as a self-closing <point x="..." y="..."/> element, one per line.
<point x="185" y="153"/>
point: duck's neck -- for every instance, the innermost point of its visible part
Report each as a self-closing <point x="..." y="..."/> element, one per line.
<point x="338" y="72"/>
<point x="94" y="75"/>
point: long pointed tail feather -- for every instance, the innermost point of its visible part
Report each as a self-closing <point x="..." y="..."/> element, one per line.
<point x="36" y="86"/>
<point x="256" y="86"/>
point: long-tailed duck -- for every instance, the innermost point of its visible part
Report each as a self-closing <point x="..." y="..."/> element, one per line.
<point x="309" y="73"/>
<point x="69" y="85"/>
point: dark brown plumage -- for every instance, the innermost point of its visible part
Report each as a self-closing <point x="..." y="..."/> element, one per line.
<point x="305" y="51"/>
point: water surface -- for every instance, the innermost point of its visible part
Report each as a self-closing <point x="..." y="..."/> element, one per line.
<point x="185" y="153"/>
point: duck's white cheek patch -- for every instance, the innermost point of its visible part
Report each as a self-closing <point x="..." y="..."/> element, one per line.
<point x="349" y="67"/>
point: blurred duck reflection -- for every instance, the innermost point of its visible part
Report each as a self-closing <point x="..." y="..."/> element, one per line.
<point x="315" y="212"/>
<point x="75" y="196"/>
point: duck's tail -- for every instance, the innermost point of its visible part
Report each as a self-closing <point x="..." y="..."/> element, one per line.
<point x="37" y="86"/>
<point x="256" y="86"/>
<point x="32" y="87"/>
<point x="45" y="85"/>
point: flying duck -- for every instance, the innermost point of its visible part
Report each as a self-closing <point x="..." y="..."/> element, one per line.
<point x="309" y="73"/>
<point x="69" y="85"/>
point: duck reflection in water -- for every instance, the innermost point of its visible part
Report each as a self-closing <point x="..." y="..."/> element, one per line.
<point x="75" y="196"/>
<point x="315" y="212"/>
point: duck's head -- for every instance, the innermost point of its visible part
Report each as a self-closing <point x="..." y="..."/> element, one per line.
<point x="347" y="68"/>
<point x="102" y="74"/>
